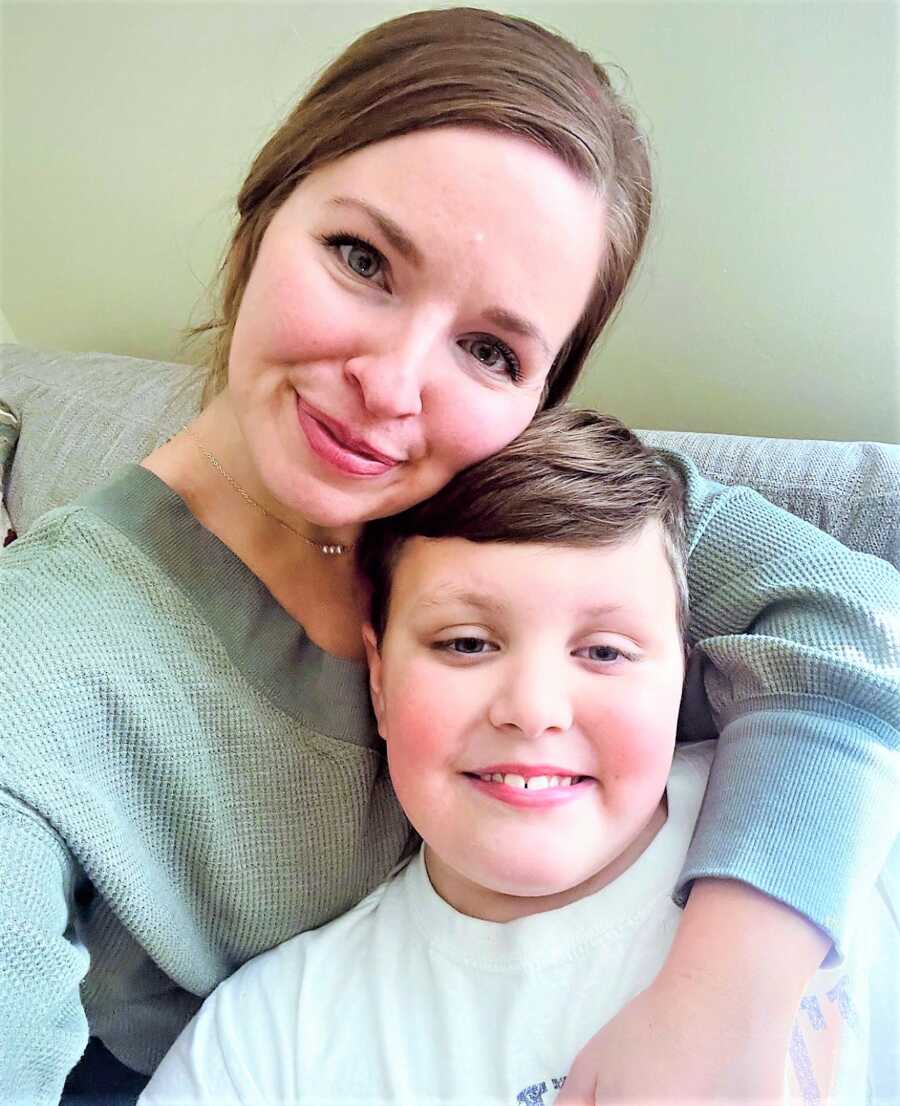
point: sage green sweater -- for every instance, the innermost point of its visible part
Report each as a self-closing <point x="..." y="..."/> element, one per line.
<point x="186" y="780"/>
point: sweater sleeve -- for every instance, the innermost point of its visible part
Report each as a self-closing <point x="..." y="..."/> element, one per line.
<point x="797" y="647"/>
<point x="42" y="1023"/>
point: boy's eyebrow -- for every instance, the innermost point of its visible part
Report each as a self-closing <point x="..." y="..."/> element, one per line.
<point x="450" y="593"/>
<point x="409" y="251"/>
<point x="602" y="609"/>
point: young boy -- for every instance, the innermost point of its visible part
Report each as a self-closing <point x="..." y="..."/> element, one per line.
<point x="527" y="655"/>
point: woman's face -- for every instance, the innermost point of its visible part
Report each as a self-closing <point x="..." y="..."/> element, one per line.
<point x="402" y="315"/>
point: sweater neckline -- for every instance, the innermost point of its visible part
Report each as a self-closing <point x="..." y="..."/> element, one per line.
<point x="262" y="640"/>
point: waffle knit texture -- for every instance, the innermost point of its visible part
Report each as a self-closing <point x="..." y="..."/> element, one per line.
<point x="186" y="780"/>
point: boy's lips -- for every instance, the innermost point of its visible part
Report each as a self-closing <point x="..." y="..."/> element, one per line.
<point x="336" y="444"/>
<point x="530" y="785"/>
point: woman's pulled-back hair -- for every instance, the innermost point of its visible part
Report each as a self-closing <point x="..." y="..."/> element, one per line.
<point x="468" y="67"/>
<point x="572" y="478"/>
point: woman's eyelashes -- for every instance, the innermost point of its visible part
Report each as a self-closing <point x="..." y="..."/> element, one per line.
<point x="360" y="257"/>
<point x="365" y="261"/>
<point x="489" y="351"/>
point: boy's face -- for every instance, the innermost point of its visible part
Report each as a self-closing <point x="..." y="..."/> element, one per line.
<point x="556" y="665"/>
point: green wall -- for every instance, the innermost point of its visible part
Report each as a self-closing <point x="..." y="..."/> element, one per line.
<point x="769" y="299"/>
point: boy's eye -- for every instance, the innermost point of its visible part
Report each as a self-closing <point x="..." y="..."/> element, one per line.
<point x="466" y="646"/>
<point x="605" y="654"/>
<point x="493" y="354"/>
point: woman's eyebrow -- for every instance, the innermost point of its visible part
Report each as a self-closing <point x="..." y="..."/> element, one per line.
<point x="509" y="320"/>
<point x="404" y="245"/>
<point x="397" y="237"/>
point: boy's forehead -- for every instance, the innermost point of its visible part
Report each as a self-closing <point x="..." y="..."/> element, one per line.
<point x="432" y="573"/>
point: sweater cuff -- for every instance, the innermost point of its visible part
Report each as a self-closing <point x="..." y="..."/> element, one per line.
<point x="803" y="807"/>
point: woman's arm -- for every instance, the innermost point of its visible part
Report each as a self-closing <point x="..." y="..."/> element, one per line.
<point x="797" y="668"/>
<point x="715" y="1024"/>
<point x="43" y="1027"/>
<point x="798" y="654"/>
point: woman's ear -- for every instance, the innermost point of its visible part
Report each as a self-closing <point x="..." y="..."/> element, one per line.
<point x="373" y="658"/>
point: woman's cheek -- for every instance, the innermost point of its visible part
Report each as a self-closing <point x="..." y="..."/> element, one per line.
<point x="479" y="420"/>
<point x="297" y="313"/>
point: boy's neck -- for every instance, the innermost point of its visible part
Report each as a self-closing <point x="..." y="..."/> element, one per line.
<point x="476" y="901"/>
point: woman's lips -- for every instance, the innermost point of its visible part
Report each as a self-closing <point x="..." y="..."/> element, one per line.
<point x="330" y="443"/>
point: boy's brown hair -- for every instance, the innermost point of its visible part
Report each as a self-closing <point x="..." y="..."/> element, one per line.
<point x="573" y="477"/>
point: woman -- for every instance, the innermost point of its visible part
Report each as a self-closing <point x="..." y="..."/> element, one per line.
<point x="426" y="251"/>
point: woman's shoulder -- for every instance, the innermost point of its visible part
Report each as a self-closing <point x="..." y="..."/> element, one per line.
<point x="63" y="571"/>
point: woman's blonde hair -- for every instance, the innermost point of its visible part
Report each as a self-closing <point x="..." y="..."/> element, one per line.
<point x="468" y="67"/>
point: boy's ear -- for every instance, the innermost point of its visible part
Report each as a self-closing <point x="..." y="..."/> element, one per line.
<point x="373" y="658"/>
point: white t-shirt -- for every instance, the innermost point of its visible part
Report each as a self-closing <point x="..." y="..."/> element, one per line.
<point x="403" y="1000"/>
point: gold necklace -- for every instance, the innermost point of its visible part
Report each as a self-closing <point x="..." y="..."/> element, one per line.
<point x="329" y="549"/>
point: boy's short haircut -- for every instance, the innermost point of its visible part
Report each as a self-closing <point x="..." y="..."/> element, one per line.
<point x="573" y="477"/>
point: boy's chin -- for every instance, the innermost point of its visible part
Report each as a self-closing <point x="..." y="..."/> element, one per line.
<point x="536" y="889"/>
<point x="513" y="891"/>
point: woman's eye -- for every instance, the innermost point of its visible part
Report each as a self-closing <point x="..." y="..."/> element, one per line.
<point x="361" y="258"/>
<point x="363" y="261"/>
<point x="493" y="354"/>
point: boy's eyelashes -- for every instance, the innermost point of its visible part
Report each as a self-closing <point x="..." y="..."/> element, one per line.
<point x="470" y="645"/>
<point x="605" y="654"/>
<point x="465" y="646"/>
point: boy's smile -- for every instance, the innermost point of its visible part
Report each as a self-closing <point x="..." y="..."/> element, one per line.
<point x="528" y="695"/>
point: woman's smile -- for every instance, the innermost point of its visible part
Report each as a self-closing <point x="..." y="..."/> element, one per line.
<point x="402" y="315"/>
<point x="337" y="446"/>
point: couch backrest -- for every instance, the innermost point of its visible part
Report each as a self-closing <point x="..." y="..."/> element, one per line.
<point x="83" y="415"/>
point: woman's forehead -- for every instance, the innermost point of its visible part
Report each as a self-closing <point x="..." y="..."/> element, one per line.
<point x="474" y="205"/>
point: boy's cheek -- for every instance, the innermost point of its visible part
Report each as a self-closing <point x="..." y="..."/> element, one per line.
<point x="413" y="718"/>
<point x="642" y="742"/>
<point x="423" y="704"/>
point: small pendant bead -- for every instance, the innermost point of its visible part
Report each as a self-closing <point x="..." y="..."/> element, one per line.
<point x="327" y="550"/>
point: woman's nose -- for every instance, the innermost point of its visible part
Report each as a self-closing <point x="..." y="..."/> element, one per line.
<point x="532" y="701"/>
<point x="391" y="379"/>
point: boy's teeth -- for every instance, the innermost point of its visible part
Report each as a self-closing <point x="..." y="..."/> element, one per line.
<point x="533" y="783"/>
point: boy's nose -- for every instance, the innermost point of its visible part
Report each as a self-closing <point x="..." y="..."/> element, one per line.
<point x="534" y="701"/>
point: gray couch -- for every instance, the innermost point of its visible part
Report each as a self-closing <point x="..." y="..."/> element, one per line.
<point x="82" y="415"/>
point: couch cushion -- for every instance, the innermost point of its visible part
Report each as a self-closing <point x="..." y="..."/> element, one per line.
<point x="83" y="415"/>
<point x="849" y="489"/>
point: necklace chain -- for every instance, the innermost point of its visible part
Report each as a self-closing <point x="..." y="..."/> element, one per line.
<point x="329" y="549"/>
